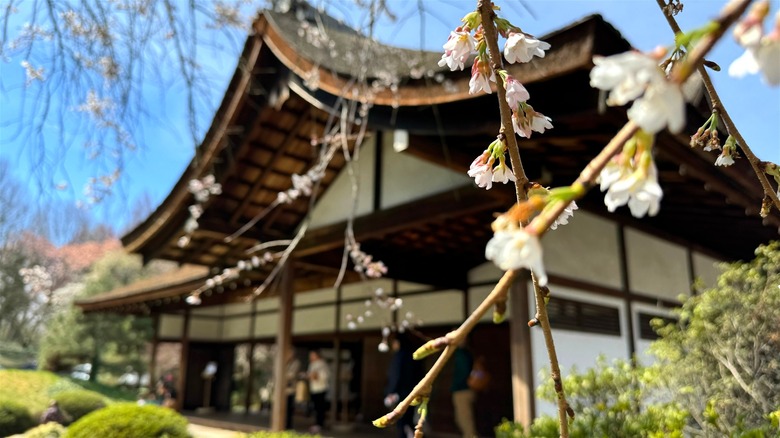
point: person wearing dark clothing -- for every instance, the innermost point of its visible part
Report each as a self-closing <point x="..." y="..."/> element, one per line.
<point x="403" y="375"/>
<point x="462" y="395"/>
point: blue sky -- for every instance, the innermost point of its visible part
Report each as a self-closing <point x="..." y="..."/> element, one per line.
<point x="166" y="146"/>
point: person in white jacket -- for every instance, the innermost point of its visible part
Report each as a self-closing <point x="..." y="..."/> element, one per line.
<point x="319" y="378"/>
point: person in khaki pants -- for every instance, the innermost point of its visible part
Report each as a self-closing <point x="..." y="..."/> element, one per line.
<point x="462" y="395"/>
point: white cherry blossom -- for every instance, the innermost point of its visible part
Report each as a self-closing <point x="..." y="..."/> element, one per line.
<point x="503" y="174"/>
<point x="481" y="170"/>
<point x="640" y="190"/>
<point x="457" y="50"/>
<point x="521" y="47"/>
<point x="480" y="81"/>
<point x="515" y="92"/>
<point x="514" y="249"/>
<point x="724" y="159"/>
<point x="763" y="57"/>
<point x="662" y="106"/>
<point x="563" y="218"/>
<point x="528" y="121"/>
<point x="628" y="76"/>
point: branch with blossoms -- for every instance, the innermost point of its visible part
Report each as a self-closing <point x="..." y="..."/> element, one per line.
<point x="625" y="169"/>
<point x="762" y="55"/>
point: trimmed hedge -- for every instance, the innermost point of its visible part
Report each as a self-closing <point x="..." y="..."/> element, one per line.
<point x="78" y="403"/>
<point x="14" y="418"/>
<point x="48" y="430"/>
<point x="127" y="420"/>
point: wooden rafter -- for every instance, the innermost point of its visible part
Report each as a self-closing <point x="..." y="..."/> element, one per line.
<point x="259" y="180"/>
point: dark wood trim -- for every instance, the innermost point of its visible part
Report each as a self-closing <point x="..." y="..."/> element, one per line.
<point x="183" y="361"/>
<point x="250" y="380"/>
<point x="691" y="269"/>
<point x="153" y="353"/>
<point x="283" y="345"/>
<point x="524" y="400"/>
<point x="626" y="283"/>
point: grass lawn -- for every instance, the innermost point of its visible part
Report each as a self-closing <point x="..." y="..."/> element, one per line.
<point x="35" y="389"/>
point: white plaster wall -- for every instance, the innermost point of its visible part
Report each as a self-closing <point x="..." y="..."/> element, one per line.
<point x="314" y="320"/>
<point x="378" y="317"/>
<point x="236" y="328"/>
<point x="441" y="307"/>
<point x="704" y="268"/>
<point x="656" y="267"/>
<point x="266" y="325"/>
<point x="485" y="272"/>
<point x="267" y="304"/>
<point x="205" y="329"/>
<point x="586" y="249"/>
<point x="335" y="204"/>
<point x="366" y="289"/>
<point x="210" y="310"/>
<point x="642" y="345"/>
<point x="575" y="348"/>
<point x="237" y="308"/>
<point x="315" y="297"/>
<point x="406" y="178"/>
<point x="408" y="286"/>
<point x="171" y="326"/>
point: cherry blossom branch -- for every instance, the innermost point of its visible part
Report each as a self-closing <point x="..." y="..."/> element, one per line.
<point x="681" y="72"/>
<point x="449" y="343"/>
<point x="485" y="8"/>
<point x="731" y="128"/>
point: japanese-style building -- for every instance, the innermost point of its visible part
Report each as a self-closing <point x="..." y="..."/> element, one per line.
<point x="420" y="213"/>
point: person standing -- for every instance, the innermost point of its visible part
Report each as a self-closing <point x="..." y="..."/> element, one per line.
<point x="404" y="374"/>
<point x="319" y="378"/>
<point x="462" y="395"/>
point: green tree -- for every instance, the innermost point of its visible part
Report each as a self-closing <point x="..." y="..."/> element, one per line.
<point x="98" y="338"/>
<point x="720" y="359"/>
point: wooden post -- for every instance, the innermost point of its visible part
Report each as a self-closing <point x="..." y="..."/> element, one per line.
<point x="153" y="353"/>
<point x="183" y="361"/>
<point x="520" y="351"/>
<point x="249" y="378"/>
<point x="283" y="344"/>
<point x="250" y="358"/>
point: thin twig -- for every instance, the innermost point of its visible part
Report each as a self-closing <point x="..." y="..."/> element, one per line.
<point x="731" y="128"/>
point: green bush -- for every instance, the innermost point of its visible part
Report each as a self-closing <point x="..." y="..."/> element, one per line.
<point x="612" y="400"/>
<point x="14" y="418"/>
<point x="285" y="434"/>
<point x="126" y="420"/>
<point x="78" y="403"/>
<point x="48" y="430"/>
